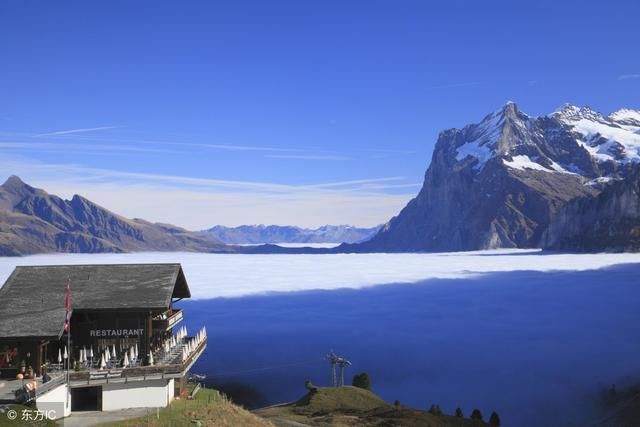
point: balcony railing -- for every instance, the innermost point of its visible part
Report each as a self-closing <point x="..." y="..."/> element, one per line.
<point x="169" y="321"/>
<point x="24" y="395"/>
<point x="139" y="373"/>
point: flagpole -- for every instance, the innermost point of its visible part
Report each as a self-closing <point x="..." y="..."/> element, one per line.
<point x="68" y="325"/>
<point x="68" y="363"/>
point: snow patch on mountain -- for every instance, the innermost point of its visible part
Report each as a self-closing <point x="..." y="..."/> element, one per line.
<point x="616" y="139"/>
<point x="525" y="162"/>
<point x="611" y="138"/>
<point x="626" y="117"/>
<point x="600" y="180"/>
<point x="480" y="150"/>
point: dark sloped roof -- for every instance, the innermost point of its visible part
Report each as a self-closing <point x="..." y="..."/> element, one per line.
<point x="32" y="301"/>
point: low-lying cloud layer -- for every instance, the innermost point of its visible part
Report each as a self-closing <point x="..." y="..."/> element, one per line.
<point x="216" y="275"/>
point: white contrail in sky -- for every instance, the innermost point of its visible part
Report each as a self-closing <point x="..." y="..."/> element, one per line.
<point x="629" y="76"/>
<point x="70" y="131"/>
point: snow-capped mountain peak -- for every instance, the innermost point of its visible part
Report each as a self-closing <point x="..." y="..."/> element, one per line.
<point x="569" y="112"/>
<point x="494" y="135"/>
<point x="573" y="140"/>
<point x="626" y="117"/>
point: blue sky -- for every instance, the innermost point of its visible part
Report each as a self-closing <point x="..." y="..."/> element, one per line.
<point x="288" y="112"/>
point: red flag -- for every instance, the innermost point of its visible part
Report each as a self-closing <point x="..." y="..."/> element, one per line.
<point x="67" y="304"/>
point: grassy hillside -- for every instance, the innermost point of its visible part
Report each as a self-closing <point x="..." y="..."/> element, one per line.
<point x="209" y="408"/>
<point x="352" y="406"/>
<point x="346" y="399"/>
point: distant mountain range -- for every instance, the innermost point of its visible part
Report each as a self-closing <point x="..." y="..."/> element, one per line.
<point x="33" y="221"/>
<point x="259" y="234"/>
<point x="567" y="181"/>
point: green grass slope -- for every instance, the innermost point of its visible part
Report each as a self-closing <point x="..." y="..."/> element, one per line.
<point x="208" y="408"/>
<point x="352" y="406"/>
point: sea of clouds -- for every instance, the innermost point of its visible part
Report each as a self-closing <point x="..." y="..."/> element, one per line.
<point x="230" y="275"/>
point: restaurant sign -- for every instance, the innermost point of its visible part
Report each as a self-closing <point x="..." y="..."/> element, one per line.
<point x="106" y="333"/>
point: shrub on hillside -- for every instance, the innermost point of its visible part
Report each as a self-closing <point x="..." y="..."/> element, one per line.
<point x="459" y="413"/>
<point x="435" y="410"/>
<point x="362" y="380"/>
<point x="494" y="419"/>
<point x="309" y="386"/>
<point x="476" y="415"/>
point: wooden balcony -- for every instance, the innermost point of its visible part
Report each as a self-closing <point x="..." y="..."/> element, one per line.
<point x="169" y="322"/>
<point x="138" y="373"/>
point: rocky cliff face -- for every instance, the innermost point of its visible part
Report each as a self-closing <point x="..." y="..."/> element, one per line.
<point x="33" y="221"/>
<point x="502" y="182"/>
<point x="608" y="221"/>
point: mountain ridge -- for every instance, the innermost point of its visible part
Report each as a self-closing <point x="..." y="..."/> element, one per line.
<point x="274" y="234"/>
<point x="34" y="221"/>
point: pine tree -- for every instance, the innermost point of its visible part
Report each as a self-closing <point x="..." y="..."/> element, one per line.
<point x="459" y="413"/>
<point x="476" y="415"/>
<point x="494" y="419"/>
<point x="435" y="410"/>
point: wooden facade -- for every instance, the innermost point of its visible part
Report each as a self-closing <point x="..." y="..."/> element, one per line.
<point x="119" y="306"/>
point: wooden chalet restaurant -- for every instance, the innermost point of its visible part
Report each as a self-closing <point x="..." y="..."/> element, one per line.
<point x="118" y="344"/>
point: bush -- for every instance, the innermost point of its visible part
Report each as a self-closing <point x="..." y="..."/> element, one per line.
<point x="494" y="419"/>
<point x="476" y="415"/>
<point x="362" y="381"/>
<point x="309" y="386"/>
<point x="459" y="413"/>
<point x="396" y="404"/>
<point x="435" y="410"/>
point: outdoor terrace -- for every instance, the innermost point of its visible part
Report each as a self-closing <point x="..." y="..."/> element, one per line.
<point x="176" y="368"/>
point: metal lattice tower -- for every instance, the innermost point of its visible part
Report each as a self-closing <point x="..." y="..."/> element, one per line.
<point x="341" y="363"/>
